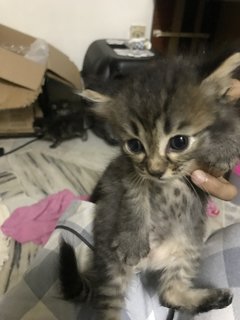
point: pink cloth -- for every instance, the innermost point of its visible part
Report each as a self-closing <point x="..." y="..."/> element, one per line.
<point x="236" y="169"/>
<point x="212" y="209"/>
<point x="36" y="222"/>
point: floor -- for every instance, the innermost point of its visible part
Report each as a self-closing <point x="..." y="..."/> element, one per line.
<point x="36" y="171"/>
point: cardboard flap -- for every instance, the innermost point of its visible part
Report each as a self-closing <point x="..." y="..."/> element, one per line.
<point x="9" y="37"/>
<point x="20" y="71"/>
<point x="21" y="78"/>
<point x="60" y="65"/>
<point x="13" y="96"/>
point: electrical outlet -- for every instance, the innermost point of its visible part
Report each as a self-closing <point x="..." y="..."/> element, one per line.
<point x="137" y="31"/>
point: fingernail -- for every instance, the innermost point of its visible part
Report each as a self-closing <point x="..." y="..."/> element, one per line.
<point x="199" y="177"/>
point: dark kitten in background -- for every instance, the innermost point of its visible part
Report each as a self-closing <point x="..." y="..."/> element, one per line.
<point x="71" y="119"/>
<point x="170" y="120"/>
<point x="67" y="120"/>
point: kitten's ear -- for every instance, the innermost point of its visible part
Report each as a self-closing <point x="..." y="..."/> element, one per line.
<point x="93" y="96"/>
<point x="100" y="105"/>
<point x="223" y="81"/>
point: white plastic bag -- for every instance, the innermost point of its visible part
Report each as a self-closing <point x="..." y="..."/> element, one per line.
<point x="38" y="51"/>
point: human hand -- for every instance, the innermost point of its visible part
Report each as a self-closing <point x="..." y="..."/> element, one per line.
<point x="217" y="187"/>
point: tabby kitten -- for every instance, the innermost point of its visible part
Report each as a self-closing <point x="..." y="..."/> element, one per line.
<point x="149" y="216"/>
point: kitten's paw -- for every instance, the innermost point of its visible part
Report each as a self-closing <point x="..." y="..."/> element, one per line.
<point x="196" y="300"/>
<point x="128" y="250"/>
<point x="218" y="299"/>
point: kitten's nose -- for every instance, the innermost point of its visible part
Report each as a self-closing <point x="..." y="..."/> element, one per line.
<point x="157" y="174"/>
<point x="156" y="167"/>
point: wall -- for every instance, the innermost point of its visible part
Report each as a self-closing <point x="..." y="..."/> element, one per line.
<point x="71" y="25"/>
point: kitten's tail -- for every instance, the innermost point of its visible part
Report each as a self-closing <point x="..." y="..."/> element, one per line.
<point x="74" y="285"/>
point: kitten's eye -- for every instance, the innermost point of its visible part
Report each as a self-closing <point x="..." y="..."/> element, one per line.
<point x="134" y="146"/>
<point x="179" y="143"/>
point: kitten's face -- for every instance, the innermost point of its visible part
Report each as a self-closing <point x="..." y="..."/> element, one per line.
<point x="164" y="144"/>
<point x="170" y="121"/>
<point x="170" y="125"/>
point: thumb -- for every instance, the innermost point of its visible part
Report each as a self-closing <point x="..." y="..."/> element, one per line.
<point x="218" y="187"/>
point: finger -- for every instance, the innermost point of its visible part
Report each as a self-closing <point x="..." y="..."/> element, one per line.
<point x="218" y="187"/>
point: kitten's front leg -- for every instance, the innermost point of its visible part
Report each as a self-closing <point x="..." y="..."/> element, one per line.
<point x="131" y="246"/>
<point x="131" y="241"/>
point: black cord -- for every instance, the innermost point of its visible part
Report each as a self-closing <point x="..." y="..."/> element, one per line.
<point x="2" y="153"/>
<point x="171" y="313"/>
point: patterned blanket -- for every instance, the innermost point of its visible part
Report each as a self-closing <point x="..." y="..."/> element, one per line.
<point x="37" y="296"/>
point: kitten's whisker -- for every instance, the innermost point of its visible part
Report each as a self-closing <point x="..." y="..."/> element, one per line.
<point x="206" y="191"/>
<point x="137" y="179"/>
<point x="211" y="165"/>
<point x="188" y="204"/>
<point x="191" y="184"/>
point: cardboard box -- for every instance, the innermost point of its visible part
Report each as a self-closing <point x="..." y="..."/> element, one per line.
<point x="21" y="79"/>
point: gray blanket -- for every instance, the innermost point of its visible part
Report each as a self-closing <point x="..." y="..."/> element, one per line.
<point x="37" y="296"/>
